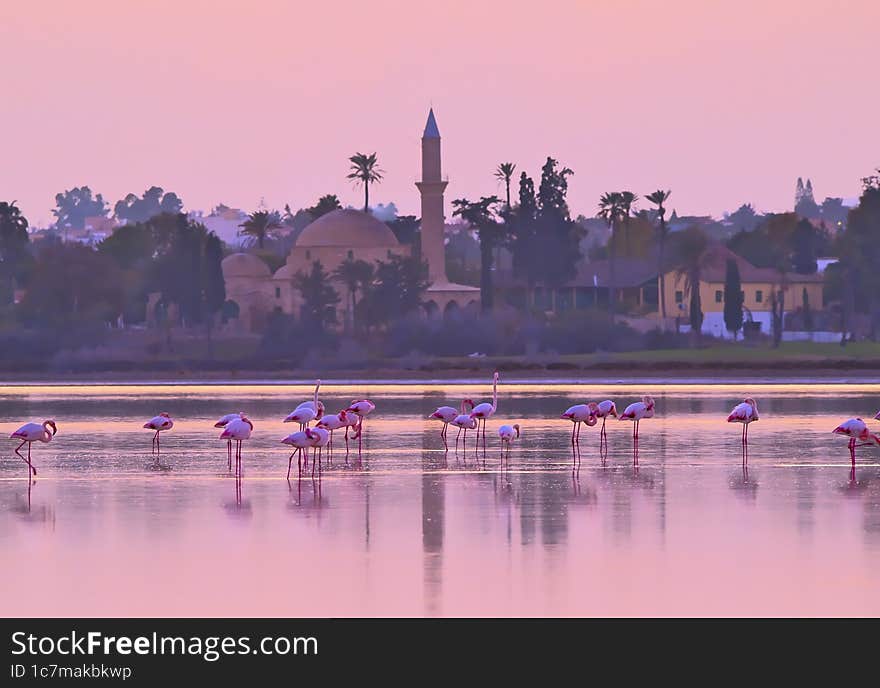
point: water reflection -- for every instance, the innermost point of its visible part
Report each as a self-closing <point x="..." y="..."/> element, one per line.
<point x="667" y="525"/>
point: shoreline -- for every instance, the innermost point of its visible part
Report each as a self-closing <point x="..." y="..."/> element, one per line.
<point x="800" y="372"/>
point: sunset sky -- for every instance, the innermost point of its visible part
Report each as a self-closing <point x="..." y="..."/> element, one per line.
<point x="722" y="102"/>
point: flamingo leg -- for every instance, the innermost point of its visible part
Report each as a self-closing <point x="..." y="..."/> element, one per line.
<point x="229" y="453"/>
<point x="360" y="435"/>
<point x="158" y="451"/>
<point x="572" y="435"/>
<point x="852" y="456"/>
<point x="27" y="460"/>
<point x="289" y="464"/>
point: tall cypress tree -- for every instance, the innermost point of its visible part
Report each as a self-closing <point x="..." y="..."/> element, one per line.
<point x="733" y="299"/>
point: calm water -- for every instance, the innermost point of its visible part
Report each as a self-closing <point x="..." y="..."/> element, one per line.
<point x="412" y="530"/>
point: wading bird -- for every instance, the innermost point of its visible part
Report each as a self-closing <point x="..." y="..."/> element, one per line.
<point x="307" y="411"/>
<point x="507" y="433"/>
<point x="361" y="409"/>
<point x="577" y="414"/>
<point x="464" y="422"/>
<point x="237" y="430"/>
<point x="859" y="436"/>
<point x="334" y="421"/>
<point x="320" y="439"/>
<point x="447" y="414"/>
<point x="745" y="413"/>
<point x="301" y="441"/>
<point x="222" y="423"/>
<point x="486" y="410"/>
<point x="604" y="410"/>
<point x="636" y="412"/>
<point x="30" y="433"/>
<point x="158" y="423"/>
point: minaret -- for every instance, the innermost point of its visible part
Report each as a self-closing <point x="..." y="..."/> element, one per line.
<point x="432" y="187"/>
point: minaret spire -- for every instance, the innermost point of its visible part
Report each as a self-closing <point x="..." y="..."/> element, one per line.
<point x="431" y="188"/>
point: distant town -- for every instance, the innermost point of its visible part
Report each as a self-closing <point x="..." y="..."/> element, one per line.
<point x="145" y="283"/>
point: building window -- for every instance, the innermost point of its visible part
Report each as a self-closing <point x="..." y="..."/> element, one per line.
<point x="277" y="292"/>
<point x="308" y="254"/>
<point x="759" y="296"/>
<point x="351" y="255"/>
<point x="719" y="296"/>
<point x="679" y="296"/>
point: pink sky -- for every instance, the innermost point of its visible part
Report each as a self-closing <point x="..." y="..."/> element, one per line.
<point x="723" y="102"/>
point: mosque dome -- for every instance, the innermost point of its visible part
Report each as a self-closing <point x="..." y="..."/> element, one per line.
<point x="244" y="265"/>
<point x="347" y="228"/>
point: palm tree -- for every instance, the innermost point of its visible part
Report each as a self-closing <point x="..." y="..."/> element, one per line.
<point x="658" y="198"/>
<point x="355" y="275"/>
<point x="260" y="225"/>
<point x="504" y="173"/>
<point x="692" y="247"/>
<point x="627" y="200"/>
<point x="611" y="209"/>
<point x="481" y="218"/>
<point x="365" y="170"/>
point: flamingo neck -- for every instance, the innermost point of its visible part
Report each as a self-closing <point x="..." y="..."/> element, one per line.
<point x="494" y="393"/>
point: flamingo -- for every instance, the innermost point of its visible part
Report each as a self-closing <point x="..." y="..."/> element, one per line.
<point x="604" y="410"/>
<point x="334" y="421"/>
<point x="580" y="413"/>
<point x="30" y="433"/>
<point x="320" y="439"/>
<point x="857" y="431"/>
<point x="238" y="429"/>
<point x="158" y="423"/>
<point x="507" y="433"/>
<point x="351" y="421"/>
<point x="465" y="422"/>
<point x="300" y="441"/>
<point x="447" y="414"/>
<point x="485" y="410"/>
<point x="745" y="413"/>
<point x="636" y="412"/>
<point x="307" y="411"/>
<point x="222" y="423"/>
<point x="361" y="409"/>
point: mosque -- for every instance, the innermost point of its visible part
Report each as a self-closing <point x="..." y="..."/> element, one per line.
<point x="349" y="233"/>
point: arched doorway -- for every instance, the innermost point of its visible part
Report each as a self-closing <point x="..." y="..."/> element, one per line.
<point x="432" y="310"/>
<point x="452" y="311"/>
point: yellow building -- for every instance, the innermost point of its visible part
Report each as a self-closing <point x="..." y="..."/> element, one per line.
<point x="350" y="233"/>
<point x="758" y="285"/>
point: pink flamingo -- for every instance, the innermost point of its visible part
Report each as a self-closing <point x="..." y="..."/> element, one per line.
<point x="158" y="423"/>
<point x="577" y="414"/>
<point x="361" y="409"/>
<point x="307" y="411"/>
<point x="222" y="423"/>
<point x="301" y="441"/>
<point x="447" y="414"/>
<point x="604" y="410"/>
<point x="320" y="439"/>
<point x="351" y="421"/>
<point x="464" y="422"/>
<point x="331" y="422"/>
<point x="237" y="429"/>
<point x="507" y="433"/>
<point x="857" y="431"/>
<point x="745" y="413"/>
<point x="30" y="433"/>
<point x="638" y="411"/>
<point x="486" y="410"/>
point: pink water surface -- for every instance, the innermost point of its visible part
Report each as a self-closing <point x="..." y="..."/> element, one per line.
<point x="411" y="530"/>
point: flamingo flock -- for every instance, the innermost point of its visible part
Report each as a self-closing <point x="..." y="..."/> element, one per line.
<point x="238" y="428"/>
